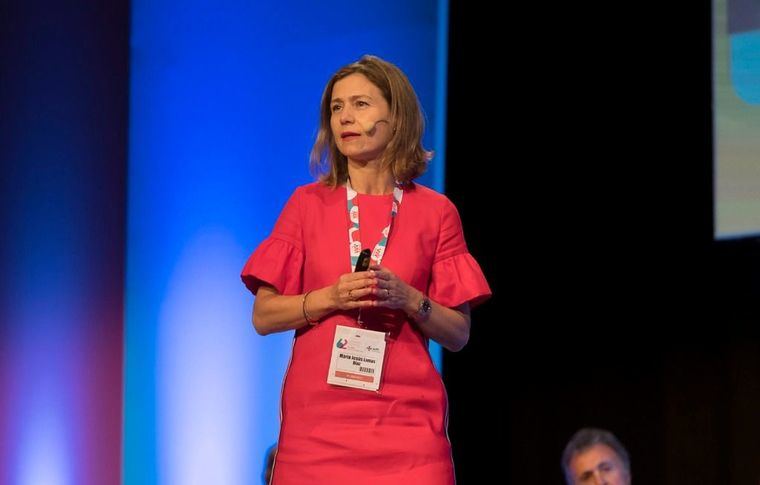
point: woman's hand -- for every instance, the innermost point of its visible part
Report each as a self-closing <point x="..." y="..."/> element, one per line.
<point x="352" y="288"/>
<point x="393" y="292"/>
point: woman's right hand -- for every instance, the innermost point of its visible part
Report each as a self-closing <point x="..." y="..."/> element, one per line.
<point x="351" y="290"/>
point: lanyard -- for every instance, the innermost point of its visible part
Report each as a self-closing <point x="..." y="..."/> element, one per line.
<point x="354" y="235"/>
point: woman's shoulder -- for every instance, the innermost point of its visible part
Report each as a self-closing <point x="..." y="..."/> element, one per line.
<point x="317" y="190"/>
<point x="430" y="198"/>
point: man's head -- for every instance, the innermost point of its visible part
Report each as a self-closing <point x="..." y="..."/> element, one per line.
<point x="595" y="457"/>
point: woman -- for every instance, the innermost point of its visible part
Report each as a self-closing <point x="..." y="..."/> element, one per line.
<point x="362" y="401"/>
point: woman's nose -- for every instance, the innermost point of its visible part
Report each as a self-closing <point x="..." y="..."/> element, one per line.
<point x="346" y="116"/>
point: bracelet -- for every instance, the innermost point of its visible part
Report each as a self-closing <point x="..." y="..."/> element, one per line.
<point x="305" y="313"/>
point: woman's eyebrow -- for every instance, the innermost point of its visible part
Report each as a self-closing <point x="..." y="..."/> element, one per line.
<point x="351" y="98"/>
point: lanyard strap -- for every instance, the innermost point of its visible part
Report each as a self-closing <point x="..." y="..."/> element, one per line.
<point x="354" y="235"/>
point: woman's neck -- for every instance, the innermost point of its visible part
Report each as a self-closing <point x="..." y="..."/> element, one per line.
<point x="369" y="179"/>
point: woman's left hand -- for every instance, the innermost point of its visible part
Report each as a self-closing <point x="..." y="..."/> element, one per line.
<point x="393" y="292"/>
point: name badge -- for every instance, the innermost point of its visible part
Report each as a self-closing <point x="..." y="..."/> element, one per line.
<point x="357" y="358"/>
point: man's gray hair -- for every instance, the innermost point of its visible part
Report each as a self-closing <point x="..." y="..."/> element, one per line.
<point x="584" y="439"/>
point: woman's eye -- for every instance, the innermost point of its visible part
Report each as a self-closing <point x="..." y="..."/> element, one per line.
<point x="362" y="103"/>
<point x="335" y="108"/>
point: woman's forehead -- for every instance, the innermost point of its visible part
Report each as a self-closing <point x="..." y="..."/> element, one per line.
<point x="354" y="85"/>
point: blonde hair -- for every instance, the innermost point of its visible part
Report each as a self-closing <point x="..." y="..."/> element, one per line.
<point x="404" y="153"/>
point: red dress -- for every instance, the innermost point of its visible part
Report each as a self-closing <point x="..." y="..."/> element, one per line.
<point x="331" y="434"/>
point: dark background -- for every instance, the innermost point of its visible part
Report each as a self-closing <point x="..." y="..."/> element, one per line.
<point x="580" y="157"/>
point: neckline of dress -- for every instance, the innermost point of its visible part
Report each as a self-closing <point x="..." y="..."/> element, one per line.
<point x="376" y="196"/>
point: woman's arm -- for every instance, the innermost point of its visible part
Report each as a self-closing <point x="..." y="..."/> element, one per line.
<point x="273" y="312"/>
<point x="449" y="327"/>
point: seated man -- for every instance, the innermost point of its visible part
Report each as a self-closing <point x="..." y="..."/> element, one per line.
<point x="595" y="457"/>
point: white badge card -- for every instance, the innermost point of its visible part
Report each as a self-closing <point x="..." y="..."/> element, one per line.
<point x="357" y="358"/>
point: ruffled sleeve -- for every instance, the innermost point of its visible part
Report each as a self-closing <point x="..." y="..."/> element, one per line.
<point x="456" y="277"/>
<point x="278" y="260"/>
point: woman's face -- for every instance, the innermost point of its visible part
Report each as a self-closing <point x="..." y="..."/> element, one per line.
<point x="359" y="119"/>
